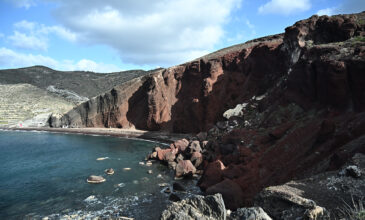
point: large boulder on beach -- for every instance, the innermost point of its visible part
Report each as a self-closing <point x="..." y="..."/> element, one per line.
<point x="167" y="154"/>
<point x="184" y="168"/>
<point x="196" y="159"/>
<point x="194" y="147"/>
<point x="196" y="207"/>
<point x="181" y="145"/>
<point x="95" y="179"/>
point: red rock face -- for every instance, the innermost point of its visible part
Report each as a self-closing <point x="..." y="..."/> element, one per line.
<point x="310" y="119"/>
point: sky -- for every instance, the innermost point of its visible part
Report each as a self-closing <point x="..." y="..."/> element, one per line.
<point x="117" y="35"/>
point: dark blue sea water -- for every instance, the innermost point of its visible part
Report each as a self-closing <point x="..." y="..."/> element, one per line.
<point x="44" y="174"/>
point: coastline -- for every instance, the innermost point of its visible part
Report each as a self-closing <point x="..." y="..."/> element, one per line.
<point x="164" y="137"/>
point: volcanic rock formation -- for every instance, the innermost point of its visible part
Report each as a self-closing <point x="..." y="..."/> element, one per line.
<point x="301" y="107"/>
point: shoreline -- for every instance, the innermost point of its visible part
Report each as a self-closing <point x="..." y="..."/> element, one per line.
<point x="164" y="137"/>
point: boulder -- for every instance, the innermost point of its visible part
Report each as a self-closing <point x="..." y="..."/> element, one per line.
<point x="172" y="165"/>
<point x="237" y="111"/>
<point x="202" y="136"/>
<point x="181" y="145"/>
<point x="95" y="179"/>
<point x="178" y="187"/>
<point x="253" y="213"/>
<point x="212" y="175"/>
<point x="184" y="168"/>
<point x="285" y="202"/>
<point x="231" y="192"/>
<point x="195" y="147"/>
<point x="109" y="171"/>
<point x="179" y="157"/>
<point x="166" y="154"/>
<point x="222" y="125"/>
<point x="353" y="171"/>
<point x="196" y="207"/>
<point x="173" y="197"/>
<point x="196" y="159"/>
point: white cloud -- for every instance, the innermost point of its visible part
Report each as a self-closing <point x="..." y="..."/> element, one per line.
<point x="284" y="7"/>
<point x="2" y="35"/>
<point x="24" y="41"/>
<point x="34" y="36"/>
<point x="326" y="11"/>
<point x="155" y="32"/>
<point x="13" y="59"/>
<point x="23" y="3"/>
<point x="347" y="7"/>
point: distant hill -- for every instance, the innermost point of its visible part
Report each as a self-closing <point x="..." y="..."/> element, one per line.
<point x="40" y="84"/>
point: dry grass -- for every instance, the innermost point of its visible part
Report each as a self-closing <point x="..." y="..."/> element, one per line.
<point x="355" y="211"/>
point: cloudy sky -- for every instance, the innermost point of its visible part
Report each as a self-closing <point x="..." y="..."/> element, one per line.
<point x="115" y="35"/>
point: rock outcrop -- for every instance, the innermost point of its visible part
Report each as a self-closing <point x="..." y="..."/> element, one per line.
<point x="324" y="196"/>
<point x="196" y="207"/>
<point x="253" y="213"/>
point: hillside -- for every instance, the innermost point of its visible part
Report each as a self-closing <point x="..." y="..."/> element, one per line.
<point x="43" y="91"/>
<point x="272" y="110"/>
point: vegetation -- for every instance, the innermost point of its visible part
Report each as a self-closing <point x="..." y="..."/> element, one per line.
<point x="359" y="39"/>
<point x="356" y="211"/>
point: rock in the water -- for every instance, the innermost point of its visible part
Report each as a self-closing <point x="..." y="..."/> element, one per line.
<point x="184" y="168"/>
<point x="95" y="179"/>
<point x="109" y="171"/>
<point x="166" y="154"/>
<point x="178" y="187"/>
<point x="173" y="197"/>
<point x="149" y="171"/>
<point x="253" y="213"/>
<point x="197" y="207"/>
<point x="172" y="165"/>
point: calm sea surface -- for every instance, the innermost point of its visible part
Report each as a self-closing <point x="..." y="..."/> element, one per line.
<point x="44" y="174"/>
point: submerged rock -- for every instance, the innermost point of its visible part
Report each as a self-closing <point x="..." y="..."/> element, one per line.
<point x="178" y="187"/>
<point x="95" y="179"/>
<point x="196" y="207"/>
<point x="173" y="197"/>
<point x="109" y="171"/>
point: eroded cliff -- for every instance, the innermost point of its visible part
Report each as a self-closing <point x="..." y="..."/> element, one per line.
<point x="301" y="112"/>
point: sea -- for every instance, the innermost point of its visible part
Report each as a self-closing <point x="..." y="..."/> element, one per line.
<point x="43" y="175"/>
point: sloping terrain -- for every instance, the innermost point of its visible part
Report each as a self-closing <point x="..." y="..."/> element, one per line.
<point x="40" y="91"/>
<point x="20" y="102"/>
<point x="297" y="105"/>
<point x="315" y="65"/>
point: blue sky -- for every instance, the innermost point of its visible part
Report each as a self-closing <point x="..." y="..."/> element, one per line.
<point x="116" y="35"/>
